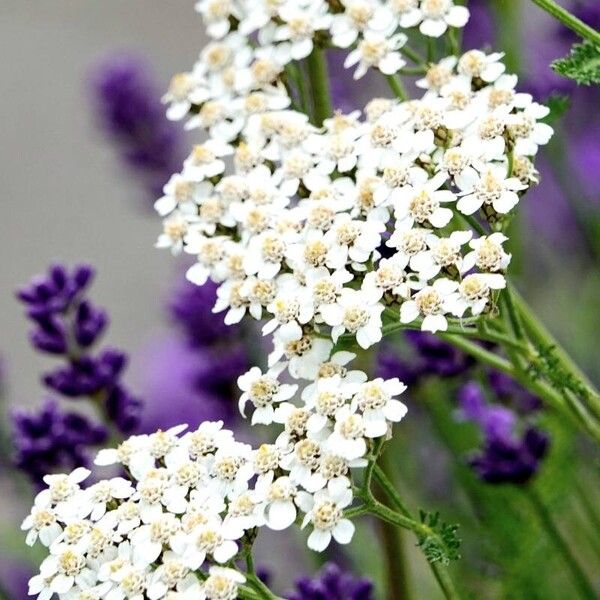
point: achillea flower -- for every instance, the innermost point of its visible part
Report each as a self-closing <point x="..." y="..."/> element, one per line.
<point x="332" y="583"/>
<point x="127" y="103"/>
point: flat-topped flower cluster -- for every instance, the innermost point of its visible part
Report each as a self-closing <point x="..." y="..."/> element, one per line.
<point x="192" y="501"/>
<point x="326" y="232"/>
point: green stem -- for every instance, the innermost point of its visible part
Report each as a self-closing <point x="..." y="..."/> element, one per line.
<point x="319" y="83"/>
<point x="397" y="87"/>
<point x="392" y="538"/>
<point x="390" y="491"/>
<point x="422" y="531"/>
<point x="569" y="20"/>
<point x="544" y="340"/>
<point x="443" y="578"/>
<point x="397" y="581"/>
<point x="413" y="55"/>
<point x="253" y="580"/>
<point x="513" y="316"/>
<point x="579" y="577"/>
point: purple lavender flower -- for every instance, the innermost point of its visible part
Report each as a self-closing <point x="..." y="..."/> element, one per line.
<point x="128" y="108"/>
<point x="479" y="30"/>
<point x="51" y="439"/>
<point x="431" y="357"/>
<point x="190" y="307"/>
<point x="168" y="372"/>
<point x="68" y="324"/>
<point x="331" y="583"/>
<point x="511" y="461"/>
<point x="506" y="456"/>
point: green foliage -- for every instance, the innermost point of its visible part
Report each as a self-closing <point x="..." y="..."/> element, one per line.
<point x="443" y="544"/>
<point x="582" y="64"/>
<point x="549" y="365"/>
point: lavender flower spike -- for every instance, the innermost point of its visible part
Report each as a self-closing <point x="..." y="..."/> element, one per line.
<point x="331" y="583"/>
<point x="127" y="104"/>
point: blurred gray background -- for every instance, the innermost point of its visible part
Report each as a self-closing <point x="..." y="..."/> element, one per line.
<point x="64" y="195"/>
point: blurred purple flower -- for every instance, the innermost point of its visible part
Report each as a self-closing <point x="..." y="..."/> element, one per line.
<point x="506" y="456"/>
<point x="190" y="307"/>
<point x="430" y="357"/>
<point x="14" y="578"/>
<point x="479" y="32"/>
<point x="127" y="104"/>
<point x="51" y="439"/>
<point x="331" y="583"/>
<point x="170" y="374"/>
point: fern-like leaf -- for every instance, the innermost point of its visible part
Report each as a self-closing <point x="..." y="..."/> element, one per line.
<point x="582" y="64"/>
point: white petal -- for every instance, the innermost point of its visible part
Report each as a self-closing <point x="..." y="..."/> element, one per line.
<point x="280" y="515"/>
<point x="343" y="531"/>
<point x="318" y="540"/>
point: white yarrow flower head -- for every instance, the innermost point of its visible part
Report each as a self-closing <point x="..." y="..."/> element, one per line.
<point x="324" y="510"/>
<point x="432" y="303"/>
<point x="379" y="51"/>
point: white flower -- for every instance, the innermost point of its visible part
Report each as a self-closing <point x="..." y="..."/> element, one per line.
<point x="438" y="15"/>
<point x="325" y="512"/>
<point x="359" y="16"/>
<point x="474" y="293"/>
<point x="407" y="11"/>
<point x="175" y="228"/>
<point x="206" y="160"/>
<point x="264" y="390"/>
<point x="389" y="276"/>
<point x="529" y="134"/>
<point x="397" y="172"/>
<point x="304" y="355"/>
<point x="231" y="470"/>
<point x="357" y="313"/>
<point x="443" y="253"/>
<point x="375" y="399"/>
<point x="103" y="492"/>
<point x="301" y="21"/>
<point x="206" y="539"/>
<point x="491" y="188"/>
<point x="182" y="88"/>
<point x="432" y="302"/>
<point x="352" y="239"/>
<point x="291" y="309"/>
<point x="377" y="50"/>
<point x="329" y="396"/>
<point x="277" y="499"/>
<point x="59" y="572"/>
<point x="43" y="523"/>
<point x="488" y="254"/>
<point x="182" y="194"/>
<point x="325" y="287"/>
<point x="221" y="584"/>
<point x="347" y="439"/>
<point x="62" y="491"/>
<point x="422" y="203"/>
<point x="217" y="15"/>
<point x="477" y="64"/>
<point x="265" y="254"/>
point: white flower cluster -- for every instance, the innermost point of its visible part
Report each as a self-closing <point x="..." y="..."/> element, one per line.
<point x="322" y="229"/>
<point x="193" y="500"/>
<point x="326" y="233"/>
